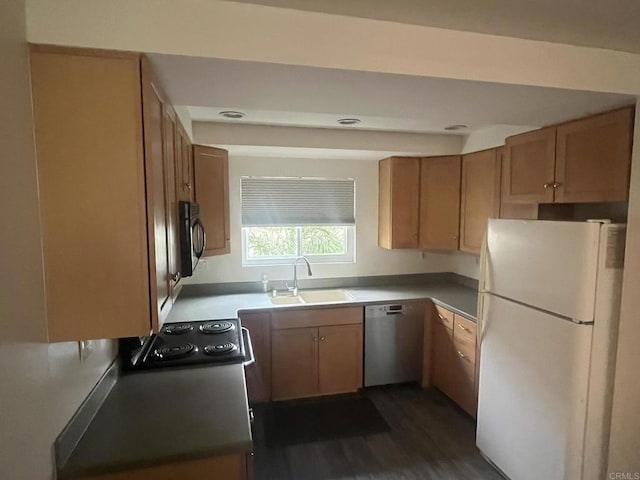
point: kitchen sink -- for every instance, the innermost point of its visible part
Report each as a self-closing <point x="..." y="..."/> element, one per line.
<point x="286" y="300"/>
<point x="322" y="296"/>
<point x="313" y="296"/>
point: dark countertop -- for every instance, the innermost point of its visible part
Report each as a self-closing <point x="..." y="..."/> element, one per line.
<point x="169" y="415"/>
<point x="134" y="427"/>
<point x="451" y="295"/>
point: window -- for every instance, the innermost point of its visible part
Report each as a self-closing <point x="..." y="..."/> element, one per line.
<point x="284" y="218"/>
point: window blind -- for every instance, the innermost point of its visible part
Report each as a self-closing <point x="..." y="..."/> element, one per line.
<point x="297" y="201"/>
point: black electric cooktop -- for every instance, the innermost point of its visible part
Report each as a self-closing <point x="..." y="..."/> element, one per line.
<point x="187" y="343"/>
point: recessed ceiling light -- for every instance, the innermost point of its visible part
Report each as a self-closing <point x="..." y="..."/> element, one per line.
<point x="349" y="121"/>
<point x="232" y="114"/>
<point x="456" y="127"/>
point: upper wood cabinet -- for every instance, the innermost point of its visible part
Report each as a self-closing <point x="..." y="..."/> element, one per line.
<point x="593" y="158"/>
<point x="211" y="172"/>
<point x="439" y="202"/>
<point x="106" y="177"/>
<point x="91" y="175"/>
<point x="184" y="166"/>
<point x="586" y="160"/>
<point x="480" y="198"/>
<point x="398" y="202"/>
<point x="529" y="166"/>
<point x="524" y="211"/>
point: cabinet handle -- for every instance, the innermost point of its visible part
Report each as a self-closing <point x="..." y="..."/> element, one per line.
<point x="444" y="319"/>
<point x="174" y="277"/>
<point x="464" y="328"/>
<point x="556" y="185"/>
<point x="188" y="185"/>
<point x="463" y="356"/>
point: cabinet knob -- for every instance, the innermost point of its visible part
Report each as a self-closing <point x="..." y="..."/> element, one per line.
<point x="556" y="185"/>
<point x="455" y="237"/>
<point x="315" y="339"/>
<point x="188" y="185"/>
<point x="548" y="185"/>
<point x="322" y="339"/>
<point x="174" y="277"/>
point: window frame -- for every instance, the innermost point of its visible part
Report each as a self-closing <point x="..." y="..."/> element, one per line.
<point x="348" y="257"/>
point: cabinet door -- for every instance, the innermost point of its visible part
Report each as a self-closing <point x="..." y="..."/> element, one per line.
<point x="153" y="110"/>
<point x="398" y="202"/>
<point x="480" y="198"/>
<point x="463" y="366"/>
<point x="440" y="202"/>
<point x="91" y="186"/>
<point x="593" y="158"/>
<point x="259" y="374"/>
<point x="211" y="171"/>
<point x="441" y="357"/>
<point x="184" y="166"/>
<point x="227" y="467"/>
<point x="524" y="211"/>
<point x="530" y="167"/>
<point x="294" y="363"/>
<point x="170" y="129"/>
<point x="340" y="359"/>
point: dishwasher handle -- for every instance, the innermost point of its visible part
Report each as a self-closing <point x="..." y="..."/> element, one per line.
<point x="374" y="311"/>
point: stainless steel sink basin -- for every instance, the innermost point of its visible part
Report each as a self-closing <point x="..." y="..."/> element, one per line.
<point x="325" y="296"/>
<point x="312" y="296"/>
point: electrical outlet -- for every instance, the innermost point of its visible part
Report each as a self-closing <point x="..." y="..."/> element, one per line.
<point x="85" y="347"/>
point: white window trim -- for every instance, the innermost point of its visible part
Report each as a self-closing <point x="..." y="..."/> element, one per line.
<point x="348" y="257"/>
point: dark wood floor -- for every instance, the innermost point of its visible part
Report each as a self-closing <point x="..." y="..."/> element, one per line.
<point x="430" y="438"/>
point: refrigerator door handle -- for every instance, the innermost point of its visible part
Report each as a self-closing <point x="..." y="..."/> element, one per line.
<point x="483" y="265"/>
<point x="480" y="318"/>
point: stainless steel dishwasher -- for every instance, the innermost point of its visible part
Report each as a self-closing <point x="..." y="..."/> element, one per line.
<point x="393" y="338"/>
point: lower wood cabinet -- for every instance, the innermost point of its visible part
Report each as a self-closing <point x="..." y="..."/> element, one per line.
<point x="316" y="352"/>
<point x="454" y="358"/>
<point x="258" y="374"/>
<point x="229" y="467"/>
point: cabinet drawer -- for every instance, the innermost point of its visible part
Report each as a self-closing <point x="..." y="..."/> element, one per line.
<point x="465" y="351"/>
<point x="444" y="316"/>
<point x="316" y="317"/>
<point x="464" y="329"/>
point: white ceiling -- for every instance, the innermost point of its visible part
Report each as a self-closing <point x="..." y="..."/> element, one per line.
<point x="611" y="24"/>
<point x="315" y="97"/>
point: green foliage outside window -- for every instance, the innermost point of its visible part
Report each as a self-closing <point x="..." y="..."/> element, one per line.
<point x="263" y="242"/>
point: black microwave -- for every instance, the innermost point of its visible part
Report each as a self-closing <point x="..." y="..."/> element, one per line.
<point x="192" y="237"/>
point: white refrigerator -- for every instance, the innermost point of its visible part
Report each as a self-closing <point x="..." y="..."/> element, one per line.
<point x="548" y="308"/>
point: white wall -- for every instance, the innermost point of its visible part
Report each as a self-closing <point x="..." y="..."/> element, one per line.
<point x="371" y="260"/>
<point x="41" y="385"/>
<point x="492" y="136"/>
<point x="218" y="133"/>
<point x="256" y="33"/>
<point x="624" y="450"/>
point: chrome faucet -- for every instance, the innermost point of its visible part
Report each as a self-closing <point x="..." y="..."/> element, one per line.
<point x="294" y="289"/>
